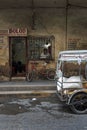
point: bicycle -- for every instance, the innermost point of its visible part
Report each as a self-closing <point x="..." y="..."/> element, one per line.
<point x="43" y="73"/>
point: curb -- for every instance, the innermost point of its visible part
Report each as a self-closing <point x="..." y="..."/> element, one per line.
<point x="28" y="92"/>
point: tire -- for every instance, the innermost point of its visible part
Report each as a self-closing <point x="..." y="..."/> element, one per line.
<point x="51" y="74"/>
<point x="78" y="103"/>
<point x="29" y="76"/>
<point x="86" y="71"/>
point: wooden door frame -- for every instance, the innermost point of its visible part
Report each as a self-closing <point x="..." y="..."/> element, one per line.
<point x="10" y="54"/>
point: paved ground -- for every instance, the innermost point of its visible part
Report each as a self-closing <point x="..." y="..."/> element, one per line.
<point x="38" y="113"/>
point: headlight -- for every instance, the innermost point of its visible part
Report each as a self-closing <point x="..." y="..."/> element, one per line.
<point x="65" y="92"/>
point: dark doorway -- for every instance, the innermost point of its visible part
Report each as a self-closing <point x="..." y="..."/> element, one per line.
<point x="18" y="56"/>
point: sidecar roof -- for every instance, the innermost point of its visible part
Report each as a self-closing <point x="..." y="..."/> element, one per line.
<point x="77" y="55"/>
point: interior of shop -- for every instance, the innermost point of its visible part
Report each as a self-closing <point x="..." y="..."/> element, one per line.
<point x="18" y="57"/>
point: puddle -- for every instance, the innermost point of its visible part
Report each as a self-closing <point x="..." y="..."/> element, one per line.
<point x="33" y="104"/>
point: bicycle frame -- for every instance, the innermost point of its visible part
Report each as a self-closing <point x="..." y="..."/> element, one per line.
<point x="42" y="72"/>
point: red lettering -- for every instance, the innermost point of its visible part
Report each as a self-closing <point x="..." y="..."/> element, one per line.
<point x="17" y="31"/>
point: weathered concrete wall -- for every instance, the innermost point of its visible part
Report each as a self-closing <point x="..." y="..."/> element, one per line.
<point x="77" y="25"/>
<point x="49" y="22"/>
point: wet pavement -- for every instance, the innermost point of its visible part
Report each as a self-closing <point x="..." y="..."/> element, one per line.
<point x="38" y="112"/>
<point x="19" y="104"/>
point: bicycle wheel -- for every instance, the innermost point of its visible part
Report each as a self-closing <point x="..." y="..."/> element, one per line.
<point x="51" y="74"/>
<point x="29" y="76"/>
<point x="79" y="103"/>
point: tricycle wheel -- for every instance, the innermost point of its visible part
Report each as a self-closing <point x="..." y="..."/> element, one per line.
<point x="78" y="103"/>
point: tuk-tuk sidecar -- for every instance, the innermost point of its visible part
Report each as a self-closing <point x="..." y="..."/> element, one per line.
<point x="71" y="79"/>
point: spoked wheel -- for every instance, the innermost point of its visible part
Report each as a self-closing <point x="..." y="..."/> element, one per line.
<point x="78" y="103"/>
<point x="29" y="76"/>
<point x="51" y="74"/>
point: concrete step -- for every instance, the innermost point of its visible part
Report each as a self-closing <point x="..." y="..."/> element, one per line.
<point x="27" y="92"/>
<point x="25" y="87"/>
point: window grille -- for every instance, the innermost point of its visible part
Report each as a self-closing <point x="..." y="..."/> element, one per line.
<point x="77" y="46"/>
<point x="72" y="45"/>
<point x="40" y="45"/>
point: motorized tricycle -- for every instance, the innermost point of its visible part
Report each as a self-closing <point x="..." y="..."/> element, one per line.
<point x="71" y="79"/>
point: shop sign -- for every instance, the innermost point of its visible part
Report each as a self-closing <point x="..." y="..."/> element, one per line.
<point x="17" y="32"/>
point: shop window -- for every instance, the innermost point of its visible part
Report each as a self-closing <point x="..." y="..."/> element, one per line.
<point x="40" y="48"/>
